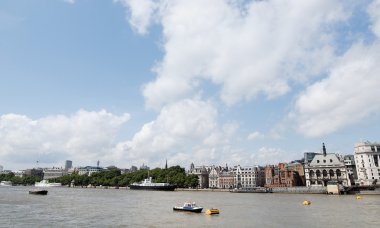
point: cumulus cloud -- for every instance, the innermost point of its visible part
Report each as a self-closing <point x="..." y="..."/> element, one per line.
<point x="345" y="97"/>
<point x="374" y="13"/>
<point x="255" y="135"/>
<point x="183" y="132"/>
<point x="141" y="13"/>
<point x="348" y="95"/>
<point x="83" y="137"/>
<point x="270" y="156"/>
<point x="246" y="48"/>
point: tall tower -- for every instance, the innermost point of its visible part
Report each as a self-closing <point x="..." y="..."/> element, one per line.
<point x="166" y="164"/>
<point x="97" y="164"/>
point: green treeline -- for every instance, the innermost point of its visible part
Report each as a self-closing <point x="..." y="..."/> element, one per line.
<point x="173" y="175"/>
<point x="26" y="180"/>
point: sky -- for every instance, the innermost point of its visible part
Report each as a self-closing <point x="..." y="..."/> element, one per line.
<point x="213" y="82"/>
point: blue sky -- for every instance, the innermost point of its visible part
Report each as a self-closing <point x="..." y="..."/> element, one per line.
<point x="128" y="82"/>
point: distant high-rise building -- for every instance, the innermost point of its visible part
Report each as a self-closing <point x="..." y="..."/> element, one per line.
<point x="144" y="167"/>
<point x="1" y="168"/>
<point x="133" y="168"/>
<point x="68" y="165"/>
<point x="97" y="164"/>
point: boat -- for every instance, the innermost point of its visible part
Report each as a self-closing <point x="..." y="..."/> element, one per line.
<point x="45" y="183"/>
<point x="38" y="192"/>
<point x="147" y="184"/>
<point x="6" y="183"/>
<point x="212" y="211"/>
<point x="189" y="207"/>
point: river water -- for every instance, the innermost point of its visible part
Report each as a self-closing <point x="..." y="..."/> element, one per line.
<point x="77" y="207"/>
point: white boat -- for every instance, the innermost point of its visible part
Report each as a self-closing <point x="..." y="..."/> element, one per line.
<point x="147" y="184"/>
<point x="45" y="183"/>
<point x="6" y="183"/>
<point x="190" y="207"/>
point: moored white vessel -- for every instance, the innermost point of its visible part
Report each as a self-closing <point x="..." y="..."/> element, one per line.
<point x="6" y="183"/>
<point x="147" y="184"/>
<point x="45" y="183"/>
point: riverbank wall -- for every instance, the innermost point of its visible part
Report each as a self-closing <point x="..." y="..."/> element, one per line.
<point x="301" y="190"/>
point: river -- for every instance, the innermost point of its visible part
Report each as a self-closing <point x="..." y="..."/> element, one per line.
<point x="77" y="207"/>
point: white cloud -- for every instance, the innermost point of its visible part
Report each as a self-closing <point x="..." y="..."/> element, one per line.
<point x="270" y="156"/>
<point x="140" y="13"/>
<point x="255" y="135"/>
<point x="347" y="96"/>
<point x="184" y="132"/>
<point x="83" y="137"/>
<point x="70" y="1"/>
<point x="374" y="13"/>
<point x="245" y="49"/>
<point x="175" y="129"/>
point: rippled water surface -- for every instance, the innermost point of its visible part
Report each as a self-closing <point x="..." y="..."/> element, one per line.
<point x="68" y="207"/>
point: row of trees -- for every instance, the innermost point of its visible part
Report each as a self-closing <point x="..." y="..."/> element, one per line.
<point x="26" y="180"/>
<point x="112" y="177"/>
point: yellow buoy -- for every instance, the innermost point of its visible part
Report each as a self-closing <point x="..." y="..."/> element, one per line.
<point x="359" y="197"/>
<point x="212" y="211"/>
<point x="306" y="202"/>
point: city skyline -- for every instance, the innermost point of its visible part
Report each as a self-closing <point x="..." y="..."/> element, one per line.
<point x="211" y="82"/>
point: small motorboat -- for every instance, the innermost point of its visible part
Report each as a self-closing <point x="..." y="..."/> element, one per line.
<point x="212" y="211"/>
<point x="38" y="192"/>
<point x="190" y="207"/>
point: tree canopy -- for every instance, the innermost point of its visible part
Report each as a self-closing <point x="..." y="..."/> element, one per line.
<point x="113" y="177"/>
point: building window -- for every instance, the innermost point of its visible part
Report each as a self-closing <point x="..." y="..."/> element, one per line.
<point x="331" y="160"/>
<point x="318" y="173"/>
<point x="324" y="161"/>
<point x="317" y="161"/>
<point x="324" y="173"/>
<point x="331" y="172"/>
<point x="338" y="173"/>
<point x="311" y="173"/>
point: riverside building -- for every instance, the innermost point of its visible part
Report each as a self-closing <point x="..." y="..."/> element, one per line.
<point x="226" y="178"/>
<point x="88" y="170"/>
<point x="221" y="177"/>
<point x="203" y="174"/>
<point x="50" y="173"/>
<point x="367" y="156"/>
<point x="283" y="175"/>
<point x="249" y="177"/>
<point x="326" y="168"/>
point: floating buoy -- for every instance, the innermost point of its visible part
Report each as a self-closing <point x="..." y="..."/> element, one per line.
<point x="306" y="202"/>
<point x="212" y="211"/>
<point x="359" y="197"/>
